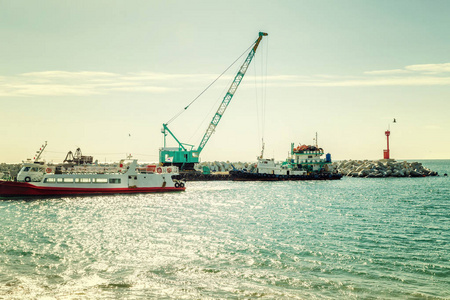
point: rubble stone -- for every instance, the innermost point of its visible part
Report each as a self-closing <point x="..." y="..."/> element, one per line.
<point x="382" y="168"/>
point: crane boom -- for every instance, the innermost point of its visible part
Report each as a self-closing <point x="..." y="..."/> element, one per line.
<point x="229" y="95"/>
<point x="186" y="158"/>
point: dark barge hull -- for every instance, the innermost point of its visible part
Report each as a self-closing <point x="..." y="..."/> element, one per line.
<point x="197" y="176"/>
<point x="247" y="176"/>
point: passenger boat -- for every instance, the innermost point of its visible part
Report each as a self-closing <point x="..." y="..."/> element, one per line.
<point x="36" y="178"/>
<point x="305" y="162"/>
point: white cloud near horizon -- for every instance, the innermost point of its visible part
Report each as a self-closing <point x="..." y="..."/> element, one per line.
<point x="367" y="82"/>
<point x="430" y="68"/>
<point x="65" y="83"/>
<point x="66" y="74"/>
<point x="411" y="69"/>
<point x="387" y="72"/>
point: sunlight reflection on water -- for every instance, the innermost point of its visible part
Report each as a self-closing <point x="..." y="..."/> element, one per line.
<point x="292" y="240"/>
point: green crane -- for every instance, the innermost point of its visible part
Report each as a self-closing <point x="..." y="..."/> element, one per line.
<point x="185" y="156"/>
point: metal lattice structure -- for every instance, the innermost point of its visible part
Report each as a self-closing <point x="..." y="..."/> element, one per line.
<point x="185" y="158"/>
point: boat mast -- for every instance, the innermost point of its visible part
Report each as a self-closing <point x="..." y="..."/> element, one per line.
<point x="39" y="153"/>
<point x="262" y="150"/>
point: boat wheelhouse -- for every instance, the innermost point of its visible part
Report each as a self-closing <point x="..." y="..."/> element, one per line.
<point x="308" y="158"/>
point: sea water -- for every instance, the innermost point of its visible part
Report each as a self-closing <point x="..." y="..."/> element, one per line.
<point x="352" y="238"/>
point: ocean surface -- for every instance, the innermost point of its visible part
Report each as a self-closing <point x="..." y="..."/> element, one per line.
<point x="356" y="238"/>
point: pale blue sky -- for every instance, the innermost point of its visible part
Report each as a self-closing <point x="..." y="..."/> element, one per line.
<point x="87" y="73"/>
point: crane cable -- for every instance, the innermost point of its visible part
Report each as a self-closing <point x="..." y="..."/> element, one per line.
<point x="265" y="88"/>
<point x="261" y="100"/>
<point x="178" y="114"/>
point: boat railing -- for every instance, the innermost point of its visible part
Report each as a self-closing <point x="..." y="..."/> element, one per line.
<point x="158" y="170"/>
<point x="94" y="170"/>
<point x="120" y="170"/>
<point x="308" y="152"/>
<point x="311" y="161"/>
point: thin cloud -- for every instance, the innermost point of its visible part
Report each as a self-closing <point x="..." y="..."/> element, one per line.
<point x="361" y="81"/>
<point x="162" y="76"/>
<point x="412" y="75"/>
<point x="430" y="68"/>
<point x="388" y="72"/>
<point x="389" y="81"/>
<point x="64" y="83"/>
<point x="152" y="89"/>
<point x="415" y="69"/>
<point x="66" y="74"/>
<point x="23" y="90"/>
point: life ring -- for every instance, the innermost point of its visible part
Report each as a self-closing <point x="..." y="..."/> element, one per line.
<point x="177" y="185"/>
<point x="159" y="170"/>
<point x="27" y="179"/>
<point x="169" y="170"/>
<point x="48" y="170"/>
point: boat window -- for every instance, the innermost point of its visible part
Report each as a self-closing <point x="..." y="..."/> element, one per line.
<point x="100" y="180"/>
<point x="49" y="180"/>
<point x="82" y="180"/>
<point x="26" y="169"/>
<point x="114" y="180"/>
<point x="59" y="180"/>
<point x="68" y="180"/>
<point x="34" y="169"/>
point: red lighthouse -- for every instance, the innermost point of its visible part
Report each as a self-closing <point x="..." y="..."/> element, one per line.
<point x="386" y="152"/>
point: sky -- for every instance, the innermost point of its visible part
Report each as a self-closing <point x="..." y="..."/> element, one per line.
<point x="105" y="75"/>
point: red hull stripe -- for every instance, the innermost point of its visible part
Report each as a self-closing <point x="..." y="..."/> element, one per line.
<point x="16" y="189"/>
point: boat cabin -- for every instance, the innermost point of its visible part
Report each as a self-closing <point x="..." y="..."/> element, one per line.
<point x="32" y="171"/>
<point x="268" y="166"/>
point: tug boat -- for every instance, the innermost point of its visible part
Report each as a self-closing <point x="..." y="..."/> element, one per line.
<point x="37" y="178"/>
<point x="305" y="162"/>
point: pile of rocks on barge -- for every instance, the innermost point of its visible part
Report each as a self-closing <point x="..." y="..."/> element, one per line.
<point x="382" y="168"/>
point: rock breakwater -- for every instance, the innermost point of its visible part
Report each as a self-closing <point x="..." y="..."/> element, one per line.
<point x="220" y="166"/>
<point x="382" y="168"/>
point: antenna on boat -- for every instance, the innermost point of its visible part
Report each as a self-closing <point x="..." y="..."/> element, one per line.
<point x="316" y="141"/>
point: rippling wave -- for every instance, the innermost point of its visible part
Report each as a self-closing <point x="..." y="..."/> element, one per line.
<point x="353" y="238"/>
